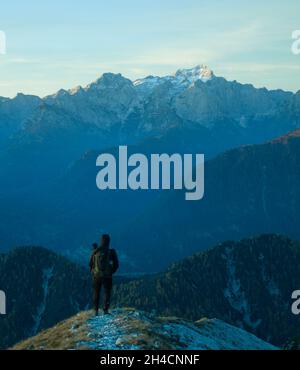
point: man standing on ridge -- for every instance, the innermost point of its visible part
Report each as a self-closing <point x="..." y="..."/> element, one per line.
<point x="103" y="264"/>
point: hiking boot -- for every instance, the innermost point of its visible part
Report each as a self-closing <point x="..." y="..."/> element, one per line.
<point x="106" y="312"/>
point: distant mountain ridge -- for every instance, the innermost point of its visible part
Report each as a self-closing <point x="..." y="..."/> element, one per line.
<point x="14" y="112"/>
<point x="118" y="110"/>
<point x="249" y="190"/>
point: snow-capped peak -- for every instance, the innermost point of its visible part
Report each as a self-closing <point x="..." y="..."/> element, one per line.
<point x="151" y="80"/>
<point x="182" y="79"/>
<point x="191" y="75"/>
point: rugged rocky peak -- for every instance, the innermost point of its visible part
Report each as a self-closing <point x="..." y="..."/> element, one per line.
<point x="106" y="101"/>
<point x="181" y="80"/>
<point x="191" y="75"/>
<point x="13" y="112"/>
<point x="110" y="81"/>
<point x="22" y="99"/>
<point x="77" y="90"/>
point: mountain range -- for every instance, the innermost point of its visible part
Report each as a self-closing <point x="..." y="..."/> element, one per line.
<point x="48" y="147"/>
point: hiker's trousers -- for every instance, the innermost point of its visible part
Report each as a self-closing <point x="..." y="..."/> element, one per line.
<point x="98" y="282"/>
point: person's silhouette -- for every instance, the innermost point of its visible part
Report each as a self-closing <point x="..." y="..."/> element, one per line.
<point x="103" y="264"/>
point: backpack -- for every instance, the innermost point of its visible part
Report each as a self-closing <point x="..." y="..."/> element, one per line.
<point x="102" y="265"/>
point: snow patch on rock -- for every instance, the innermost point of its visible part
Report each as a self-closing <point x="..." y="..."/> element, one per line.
<point x="181" y="80"/>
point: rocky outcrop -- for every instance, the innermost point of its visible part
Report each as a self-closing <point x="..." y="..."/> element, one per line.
<point x="132" y="329"/>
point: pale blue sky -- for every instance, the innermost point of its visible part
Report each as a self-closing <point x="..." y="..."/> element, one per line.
<point x="61" y="44"/>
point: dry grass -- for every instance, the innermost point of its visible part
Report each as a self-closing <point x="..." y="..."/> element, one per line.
<point x="64" y="335"/>
<point x="138" y="331"/>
